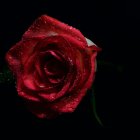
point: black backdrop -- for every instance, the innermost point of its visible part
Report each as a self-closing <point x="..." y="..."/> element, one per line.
<point x="112" y="25"/>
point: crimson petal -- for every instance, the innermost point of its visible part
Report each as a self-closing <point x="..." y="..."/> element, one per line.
<point x="46" y="26"/>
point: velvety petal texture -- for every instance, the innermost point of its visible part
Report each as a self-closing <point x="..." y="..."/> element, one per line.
<point x="54" y="65"/>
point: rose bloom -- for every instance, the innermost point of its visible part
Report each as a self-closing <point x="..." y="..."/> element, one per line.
<point x="54" y="66"/>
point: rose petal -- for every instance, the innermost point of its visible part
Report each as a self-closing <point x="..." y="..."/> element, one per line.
<point x="27" y="48"/>
<point x="25" y="92"/>
<point x="45" y="25"/>
<point x="13" y="58"/>
<point x="53" y="96"/>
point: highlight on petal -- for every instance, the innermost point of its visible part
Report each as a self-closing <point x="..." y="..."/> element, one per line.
<point x="89" y="42"/>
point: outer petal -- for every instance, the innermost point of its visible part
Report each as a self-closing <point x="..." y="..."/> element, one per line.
<point x="46" y="26"/>
<point x="19" y="53"/>
<point x="13" y="58"/>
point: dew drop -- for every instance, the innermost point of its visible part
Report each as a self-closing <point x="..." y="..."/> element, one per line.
<point x="56" y="107"/>
<point x="41" y="86"/>
<point x="10" y="57"/>
<point x="41" y="115"/>
<point x="52" y="97"/>
<point x="21" y="93"/>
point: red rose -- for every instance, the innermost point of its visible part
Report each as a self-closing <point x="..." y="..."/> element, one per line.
<point x="54" y="65"/>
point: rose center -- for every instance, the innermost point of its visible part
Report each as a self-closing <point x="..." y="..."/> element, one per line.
<point x="55" y="66"/>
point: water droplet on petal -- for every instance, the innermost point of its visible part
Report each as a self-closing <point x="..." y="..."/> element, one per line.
<point x="41" y="86"/>
<point x="56" y="107"/>
<point x="21" y="93"/>
<point x="52" y="97"/>
<point x="42" y="115"/>
<point x="10" y="57"/>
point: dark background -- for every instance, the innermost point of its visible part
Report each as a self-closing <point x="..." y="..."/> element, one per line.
<point x="112" y="25"/>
